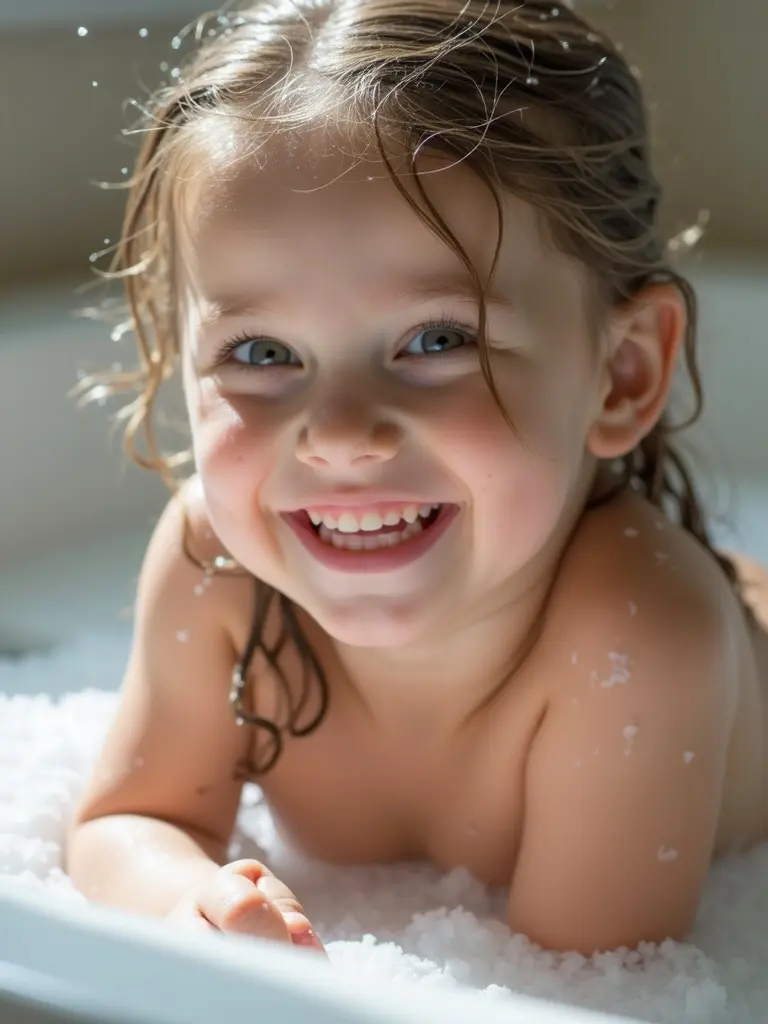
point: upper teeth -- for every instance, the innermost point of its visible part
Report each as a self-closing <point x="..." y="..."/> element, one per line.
<point x="348" y="522"/>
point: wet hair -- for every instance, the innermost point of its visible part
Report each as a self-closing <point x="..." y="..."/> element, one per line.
<point x="528" y="95"/>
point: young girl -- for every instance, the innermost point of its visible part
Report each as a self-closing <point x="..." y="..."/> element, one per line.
<point x="439" y="583"/>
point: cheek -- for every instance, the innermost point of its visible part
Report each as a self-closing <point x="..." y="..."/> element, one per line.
<point x="227" y="450"/>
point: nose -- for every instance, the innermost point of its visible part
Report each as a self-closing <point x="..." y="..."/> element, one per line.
<point x="342" y="436"/>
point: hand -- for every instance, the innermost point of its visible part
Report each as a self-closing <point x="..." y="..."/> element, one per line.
<point x="245" y="898"/>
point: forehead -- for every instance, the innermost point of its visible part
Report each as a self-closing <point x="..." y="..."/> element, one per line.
<point x="302" y="209"/>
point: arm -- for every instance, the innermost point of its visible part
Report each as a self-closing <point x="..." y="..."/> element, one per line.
<point x="159" y="809"/>
<point x="620" y="821"/>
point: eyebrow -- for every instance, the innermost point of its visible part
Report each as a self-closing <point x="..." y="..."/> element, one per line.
<point x="233" y="304"/>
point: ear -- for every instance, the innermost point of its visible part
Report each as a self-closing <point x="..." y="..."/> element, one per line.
<point x="643" y="344"/>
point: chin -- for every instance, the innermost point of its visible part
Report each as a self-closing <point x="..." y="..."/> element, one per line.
<point x="369" y="626"/>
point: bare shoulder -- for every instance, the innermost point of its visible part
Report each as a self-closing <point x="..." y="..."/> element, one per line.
<point x="630" y="575"/>
<point x="173" y="747"/>
<point x="624" y="776"/>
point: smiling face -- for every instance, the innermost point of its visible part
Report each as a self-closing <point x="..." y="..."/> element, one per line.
<point x="367" y="388"/>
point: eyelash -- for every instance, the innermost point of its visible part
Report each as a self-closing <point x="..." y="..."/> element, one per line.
<point x="228" y="347"/>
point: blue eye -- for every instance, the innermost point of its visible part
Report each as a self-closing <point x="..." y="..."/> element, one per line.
<point x="262" y="352"/>
<point x="438" y="338"/>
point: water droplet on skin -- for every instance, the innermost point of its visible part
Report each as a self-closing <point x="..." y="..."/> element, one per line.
<point x="629" y="732"/>
<point x="143" y="32"/>
<point x="82" y="32"/>
<point x="631" y="532"/>
<point x="199" y="590"/>
<point x="577" y="763"/>
<point x="665" y="855"/>
<point x="575" y="658"/>
<point x="182" y="636"/>
<point x="632" y="608"/>
<point x="138" y="762"/>
<point x="661" y="557"/>
<point x="471" y="830"/>
<point x="688" y="756"/>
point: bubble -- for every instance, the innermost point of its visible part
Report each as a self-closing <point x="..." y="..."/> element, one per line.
<point x="117" y="367"/>
<point x="106" y="241"/>
<point x="95" y="84"/>
<point x="555" y="12"/>
<point x="82" y="31"/>
<point x="164" y="66"/>
<point x="143" y="32"/>
<point x="176" y="43"/>
<point x="664" y="855"/>
<point x="175" y="73"/>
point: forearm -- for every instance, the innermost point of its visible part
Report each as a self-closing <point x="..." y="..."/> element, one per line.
<point x="138" y="863"/>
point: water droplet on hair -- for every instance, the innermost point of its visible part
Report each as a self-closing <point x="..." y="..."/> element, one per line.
<point x="565" y="44"/>
<point x="531" y="80"/>
<point x="555" y="12"/>
<point x="175" y="72"/>
<point x="176" y="43"/>
<point x="593" y="37"/>
<point x="82" y="31"/>
<point x="143" y="32"/>
<point x="211" y="32"/>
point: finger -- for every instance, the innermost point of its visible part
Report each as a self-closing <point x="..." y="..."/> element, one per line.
<point x="233" y="903"/>
<point x="302" y="933"/>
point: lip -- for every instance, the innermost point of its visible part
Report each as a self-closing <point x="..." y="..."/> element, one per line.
<point x="360" y="500"/>
<point x="379" y="560"/>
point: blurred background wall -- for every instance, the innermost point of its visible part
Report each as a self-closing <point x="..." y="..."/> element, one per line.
<point x="63" y="105"/>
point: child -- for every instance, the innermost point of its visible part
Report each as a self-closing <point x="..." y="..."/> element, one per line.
<point x="458" y="602"/>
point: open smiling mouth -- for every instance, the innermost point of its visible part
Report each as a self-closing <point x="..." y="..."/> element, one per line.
<point x="371" y="543"/>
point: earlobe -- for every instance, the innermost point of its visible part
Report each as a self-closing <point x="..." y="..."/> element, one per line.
<point x="639" y="368"/>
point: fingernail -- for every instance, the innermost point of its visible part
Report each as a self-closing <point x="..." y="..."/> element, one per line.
<point x="302" y="933"/>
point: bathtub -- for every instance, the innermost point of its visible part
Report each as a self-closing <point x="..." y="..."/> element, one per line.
<point x="74" y="524"/>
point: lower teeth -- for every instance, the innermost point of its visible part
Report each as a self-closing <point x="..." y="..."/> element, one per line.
<point x="368" y="542"/>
